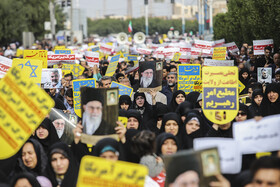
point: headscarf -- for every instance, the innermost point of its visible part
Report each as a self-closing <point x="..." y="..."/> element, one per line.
<point x="160" y="140"/>
<point x="70" y="177"/>
<point x="272" y="108"/>
<point x="107" y="144"/>
<point x="170" y="116"/>
<point x="136" y="114"/>
<point x="254" y="109"/>
<point x="192" y="97"/>
<point x="25" y="175"/>
<point x="51" y="138"/>
<point x="173" y="104"/>
<point x="125" y="99"/>
<point x="184" y="108"/>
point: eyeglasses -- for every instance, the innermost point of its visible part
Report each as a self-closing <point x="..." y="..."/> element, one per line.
<point x="241" y="113"/>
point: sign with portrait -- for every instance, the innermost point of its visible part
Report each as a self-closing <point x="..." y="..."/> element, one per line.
<point x="51" y="78"/>
<point x="150" y="76"/>
<point x="100" y="111"/>
<point x="220" y="93"/>
<point x="264" y="75"/>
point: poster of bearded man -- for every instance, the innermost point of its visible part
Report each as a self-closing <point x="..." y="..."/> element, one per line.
<point x="150" y="76"/>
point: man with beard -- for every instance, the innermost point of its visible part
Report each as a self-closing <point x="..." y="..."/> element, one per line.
<point x="147" y="75"/>
<point x="54" y="75"/>
<point x="171" y="86"/>
<point x="92" y="121"/>
<point x="59" y="125"/>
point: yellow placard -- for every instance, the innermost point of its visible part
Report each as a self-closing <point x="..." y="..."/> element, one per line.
<point x="241" y="86"/>
<point x="176" y="57"/>
<point x="219" y="53"/>
<point x="59" y="47"/>
<point x="75" y="69"/>
<point x="31" y="68"/>
<point x="112" y="66"/>
<point x="23" y="106"/>
<point x="37" y="55"/>
<point x="19" y="52"/>
<point x="220" y="102"/>
<point x="197" y="86"/>
<point x="90" y="44"/>
<point x="123" y="120"/>
<point x="96" y="171"/>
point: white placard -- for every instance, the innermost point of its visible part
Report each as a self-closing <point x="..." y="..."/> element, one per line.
<point x="229" y="152"/>
<point x="206" y="46"/>
<point x="261" y="136"/>
<point x="107" y="49"/>
<point x="212" y="62"/>
<point x="92" y="58"/>
<point x="259" y="46"/>
<point x="51" y="78"/>
<point x="232" y="47"/>
<point x="144" y="51"/>
<point x="5" y="65"/>
<point x="219" y="43"/>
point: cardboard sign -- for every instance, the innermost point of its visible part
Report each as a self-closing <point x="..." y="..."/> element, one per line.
<point x="259" y="46"/>
<point x="211" y="62"/>
<point x="75" y="69"/>
<point x="5" y="65"/>
<point x="258" y="136"/>
<point x="23" y="106"/>
<point x="187" y="75"/>
<point x="32" y="68"/>
<point x="64" y="52"/>
<point x="112" y="66"/>
<point x="55" y="59"/>
<point x="229" y="152"/>
<point x="77" y="84"/>
<point x="123" y="90"/>
<point x="92" y="58"/>
<point x="96" y="171"/>
<point x="220" y="93"/>
<point x="232" y="47"/>
<point x="37" y="55"/>
<point x="219" y="53"/>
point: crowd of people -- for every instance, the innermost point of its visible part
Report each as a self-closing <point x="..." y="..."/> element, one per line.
<point x="159" y="123"/>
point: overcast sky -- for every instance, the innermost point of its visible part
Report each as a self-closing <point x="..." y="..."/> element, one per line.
<point x="95" y="8"/>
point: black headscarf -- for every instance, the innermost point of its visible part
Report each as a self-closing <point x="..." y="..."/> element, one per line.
<point x="70" y="177"/>
<point x="125" y="99"/>
<point x="254" y="109"/>
<point x="272" y="108"/>
<point x="192" y="97"/>
<point x="136" y="114"/>
<point x="201" y="132"/>
<point x="173" y="104"/>
<point x="184" y="108"/>
<point x="107" y="144"/>
<point x="42" y="161"/>
<point x="25" y="175"/>
<point x="170" y="116"/>
<point x="160" y="140"/>
<point x="51" y="138"/>
<point x="129" y="155"/>
<point x="146" y="110"/>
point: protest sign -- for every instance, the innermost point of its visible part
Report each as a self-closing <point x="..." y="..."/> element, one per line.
<point x="259" y="46"/>
<point x="229" y="152"/>
<point x="144" y="51"/>
<point x="77" y="84"/>
<point x="92" y="58"/>
<point x="112" y="66"/>
<point x="51" y="78"/>
<point x="205" y="46"/>
<point x="5" y="65"/>
<point x="219" y="53"/>
<point x="220" y="93"/>
<point x="176" y="57"/>
<point x="232" y="47"/>
<point x="196" y="52"/>
<point x="23" y="106"/>
<point x="105" y="48"/>
<point x="62" y="47"/>
<point x="31" y="68"/>
<point x="187" y="75"/>
<point x="241" y="86"/>
<point x="197" y="86"/>
<point x="37" y="55"/>
<point x="170" y="52"/>
<point x="96" y="171"/>
<point x="63" y="51"/>
<point x="95" y="49"/>
<point x="211" y="62"/>
<point x="19" y="52"/>
<point x="56" y="58"/>
<point x="258" y="136"/>
<point x="75" y="69"/>
<point x="264" y="75"/>
<point x="219" y="43"/>
<point x="123" y="90"/>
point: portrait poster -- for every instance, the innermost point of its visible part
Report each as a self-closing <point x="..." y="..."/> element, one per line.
<point x="150" y="74"/>
<point x="264" y="75"/>
<point x="198" y="166"/>
<point x="51" y="78"/>
<point x="100" y="110"/>
<point x="64" y="124"/>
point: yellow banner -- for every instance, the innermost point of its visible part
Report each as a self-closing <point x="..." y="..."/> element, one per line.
<point x="219" y="53"/>
<point x="220" y="102"/>
<point x="112" y="66"/>
<point x="19" y="52"/>
<point x="31" y="68"/>
<point x="37" y="55"/>
<point x="176" y="56"/>
<point x="59" y="47"/>
<point x="23" y="106"/>
<point x="96" y="171"/>
<point x="75" y="69"/>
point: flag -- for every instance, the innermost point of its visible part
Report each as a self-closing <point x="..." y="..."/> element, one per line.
<point x="130" y="27"/>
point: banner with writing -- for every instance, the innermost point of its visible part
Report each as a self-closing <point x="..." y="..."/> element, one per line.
<point x="23" y="106"/>
<point x="37" y="55"/>
<point x="55" y="59"/>
<point x="212" y="62"/>
<point x="63" y="52"/>
<point x="259" y="46"/>
<point x="231" y="47"/>
<point x="220" y="101"/>
<point x="96" y="171"/>
<point x="219" y="53"/>
<point x="77" y="84"/>
<point x="75" y="69"/>
<point x="5" y="65"/>
<point x="92" y="58"/>
<point x="123" y="89"/>
<point x="187" y="75"/>
<point x="112" y="66"/>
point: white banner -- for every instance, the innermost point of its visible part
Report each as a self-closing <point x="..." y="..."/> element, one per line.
<point x="5" y="65"/>
<point x="206" y="46"/>
<point x="259" y="46"/>
<point x="232" y="47"/>
<point x="219" y="43"/>
<point x="211" y="62"/>
<point x="56" y="58"/>
<point x="92" y="58"/>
